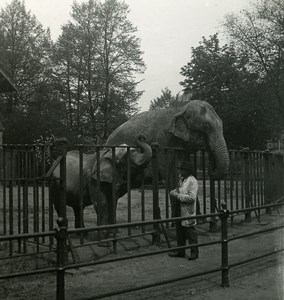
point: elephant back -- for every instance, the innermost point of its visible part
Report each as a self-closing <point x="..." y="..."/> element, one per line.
<point x="154" y="125"/>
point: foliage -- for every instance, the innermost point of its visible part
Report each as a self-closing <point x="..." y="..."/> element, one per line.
<point x="25" y="48"/>
<point x="222" y="76"/>
<point x="164" y="101"/>
<point x="259" y="32"/>
<point x="83" y="86"/>
<point x="43" y="149"/>
<point x="98" y="55"/>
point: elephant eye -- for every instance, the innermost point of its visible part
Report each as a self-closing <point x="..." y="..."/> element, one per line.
<point x="203" y="137"/>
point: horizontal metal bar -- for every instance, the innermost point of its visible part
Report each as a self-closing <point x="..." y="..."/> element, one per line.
<point x="27" y="254"/>
<point x="35" y="272"/>
<point x="24" y="145"/>
<point x="79" y="265"/>
<point x="26" y="236"/>
<point x="15" y="179"/>
<point x="254" y="232"/>
<point x="149" y="285"/>
<point x="158" y="221"/>
<point x="115" y="239"/>
<point x="278" y="203"/>
<point x="122" y="225"/>
<point x="126" y="225"/>
<point x="254" y="258"/>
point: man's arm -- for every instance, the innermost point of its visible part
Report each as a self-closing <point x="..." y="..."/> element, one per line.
<point x="189" y="198"/>
<point x="191" y="188"/>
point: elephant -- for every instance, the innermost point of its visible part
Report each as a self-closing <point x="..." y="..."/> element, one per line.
<point x="192" y="125"/>
<point x="139" y="158"/>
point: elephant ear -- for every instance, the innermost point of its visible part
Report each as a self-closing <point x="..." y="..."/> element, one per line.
<point x="179" y="127"/>
<point x="106" y="173"/>
<point x="106" y="164"/>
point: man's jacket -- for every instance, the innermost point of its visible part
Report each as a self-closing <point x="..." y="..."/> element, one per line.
<point x="186" y="194"/>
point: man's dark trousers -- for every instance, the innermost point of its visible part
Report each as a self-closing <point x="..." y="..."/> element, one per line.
<point x="187" y="233"/>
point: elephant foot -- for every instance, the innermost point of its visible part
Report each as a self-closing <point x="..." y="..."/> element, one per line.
<point x="103" y="237"/>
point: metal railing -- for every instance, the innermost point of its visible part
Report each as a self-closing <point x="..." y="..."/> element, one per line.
<point x="254" y="182"/>
<point x="253" y="179"/>
<point x="61" y="235"/>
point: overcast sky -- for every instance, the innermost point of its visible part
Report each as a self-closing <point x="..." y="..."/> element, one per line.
<point x="167" y="28"/>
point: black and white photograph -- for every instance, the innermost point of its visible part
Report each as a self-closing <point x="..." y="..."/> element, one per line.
<point x="141" y="149"/>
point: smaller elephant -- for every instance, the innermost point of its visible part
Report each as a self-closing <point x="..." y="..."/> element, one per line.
<point x="139" y="159"/>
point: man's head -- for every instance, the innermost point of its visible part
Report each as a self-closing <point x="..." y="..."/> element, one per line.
<point x="185" y="169"/>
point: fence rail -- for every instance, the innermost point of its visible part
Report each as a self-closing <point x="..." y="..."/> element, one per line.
<point x="61" y="235"/>
<point x="254" y="182"/>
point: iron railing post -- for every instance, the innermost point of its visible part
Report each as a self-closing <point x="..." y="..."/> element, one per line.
<point x="62" y="142"/>
<point x="81" y="189"/>
<point x="112" y="208"/>
<point x="61" y="237"/>
<point x="267" y="194"/>
<point x="62" y="222"/>
<point x="128" y="190"/>
<point x="224" y="227"/>
<point x="156" y="210"/>
<point x="98" y="188"/>
<point x="281" y="175"/>
<point x="247" y="184"/>
<point x="213" y="221"/>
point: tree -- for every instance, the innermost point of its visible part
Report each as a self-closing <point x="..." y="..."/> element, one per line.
<point x="222" y="76"/>
<point x="259" y="31"/>
<point x="25" y="48"/>
<point x="164" y="101"/>
<point x="98" y="56"/>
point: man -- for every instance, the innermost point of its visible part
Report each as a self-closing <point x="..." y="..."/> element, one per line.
<point x="185" y="196"/>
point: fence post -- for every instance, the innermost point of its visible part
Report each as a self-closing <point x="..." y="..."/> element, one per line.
<point x="156" y="209"/>
<point x="267" y="174"/>
<point x="81" y="188"/>
<point x="247" y="184"/>
<point x="224" y="227"/>
<point x="1" y="150"/>
<point x="281" y="172"/>
<point x="213" y="221"/>
<point x="278" y="176"/>
<point x="62" y="222"/>
<point x="62" y="143"/>
<point x="112" y="207"/>
<point x="61" y="237"/>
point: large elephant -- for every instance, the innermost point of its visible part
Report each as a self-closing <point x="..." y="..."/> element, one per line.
<point x="193" y="125"/>
<point x="139" y="158"/>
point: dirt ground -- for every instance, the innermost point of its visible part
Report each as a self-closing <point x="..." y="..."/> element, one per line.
<point x="260" y="279"/>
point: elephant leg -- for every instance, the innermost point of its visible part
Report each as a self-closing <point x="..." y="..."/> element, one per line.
<point x="76" y="210"/>
<point x="104" y="218"/>
<point x="103" y="208"/>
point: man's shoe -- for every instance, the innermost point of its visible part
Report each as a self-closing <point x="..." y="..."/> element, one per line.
<point x="193" y="257"/>
<point x="176" y="254"/>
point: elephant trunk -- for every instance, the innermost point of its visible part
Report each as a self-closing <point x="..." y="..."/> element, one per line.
<point x="219" y="158"/>
<point x="142" y="156"/>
